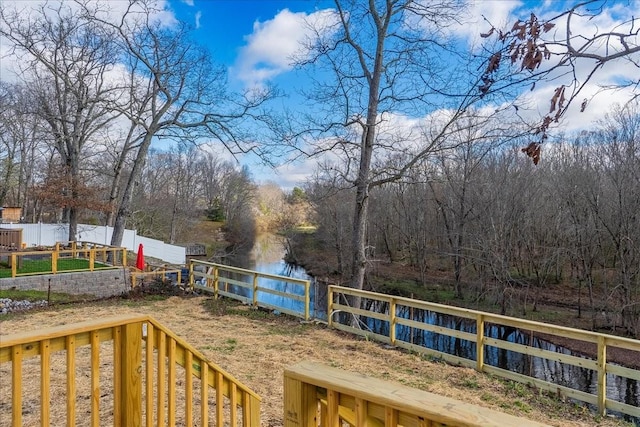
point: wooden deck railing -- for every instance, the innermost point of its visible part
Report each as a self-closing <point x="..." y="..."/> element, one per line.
<point x="118" y="371"/>
<point x="316" y="395"/>
<point x="394" y="315"/>
<point x="217" y="280"/>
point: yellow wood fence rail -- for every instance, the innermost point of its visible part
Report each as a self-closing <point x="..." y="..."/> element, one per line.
<point x="390" y="306"/>
<point x="217" y="280"/>
<point x="317" y="395"/>
<point x="156" y="272"/>
<point x="119" y="371"/>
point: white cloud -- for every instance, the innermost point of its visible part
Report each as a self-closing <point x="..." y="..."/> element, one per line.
<point x="270" y="48"/>
<point x="188" y="2"/>
<point x="198" y="17"/>
<point x="482" y="14"/>
<point x="109" y="10"/>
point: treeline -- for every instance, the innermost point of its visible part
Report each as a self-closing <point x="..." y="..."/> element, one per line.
<point x="177" y="188"/>
<point x="501" y="224"/>
<point x="91" y="94"/>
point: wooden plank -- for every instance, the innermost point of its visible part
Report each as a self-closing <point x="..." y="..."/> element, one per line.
<point x="171" y="379"/>
<point x="204" y="393"/>
<point x="219" y="398"/>
<point x="479" y="342"/>
<point x="162" y="379"/>
<point x="131" y="396"/>
<point x="361" y="312"/>
<point x="362" y="333"/>
<point x="16" y="384"/>
<point x="71" y="381"/>
<point x="622" y="342"/>
<point x="622" y="371"/>
<point x="45" y="383"/>
<point x="233" y="403"/>
<point x="282" y="310"/>
<point x="602" y="376"/>
<point x="542" y="353"/>
<point x="624" y="408"/>
<point x="149" y="364"/>
<point x="282" y="294"/>
<point x="391" y="417"/>
<point x="230" y="281"/>
<point x="454" y="360"/>
<point x="117" y="377"/>
<point x="397" y="396"/>
<point x="188" y="389"/>
<point x="70" y="329"/>
<point x="543" y="385"/>
<point x="438" y="329"/>
<point x="333" y="419"/>
<point x="95" y="379"/>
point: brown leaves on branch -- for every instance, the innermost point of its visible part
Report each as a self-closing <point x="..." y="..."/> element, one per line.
<point x="532" y="150"/>
<point x="523" y="45"/>
<point x="60" y="191"/>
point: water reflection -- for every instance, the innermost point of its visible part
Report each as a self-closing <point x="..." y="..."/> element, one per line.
<point x="267" y="256"/>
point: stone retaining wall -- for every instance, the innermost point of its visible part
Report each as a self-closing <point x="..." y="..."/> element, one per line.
<point x="99" y="283"/>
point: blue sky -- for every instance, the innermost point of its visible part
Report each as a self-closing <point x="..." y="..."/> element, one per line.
<point x="255" y="39"/>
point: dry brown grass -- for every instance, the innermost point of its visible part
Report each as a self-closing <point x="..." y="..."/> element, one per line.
<point x="256" y="347"/>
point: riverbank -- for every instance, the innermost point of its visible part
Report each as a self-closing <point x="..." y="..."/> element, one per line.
<point x="256" y="347"/>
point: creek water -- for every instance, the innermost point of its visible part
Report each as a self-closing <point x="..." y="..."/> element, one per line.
<point x="267" y="256"/>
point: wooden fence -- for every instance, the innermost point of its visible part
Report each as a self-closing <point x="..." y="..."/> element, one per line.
<point x="245" y="285"/>
<point x="128" y="377"/>
<point x="10" y="239"/>
<point x="394" y="314"/>
<point x="93" y="256"/>
<point x="156" y="272"/>
<point x="317" y="395"/>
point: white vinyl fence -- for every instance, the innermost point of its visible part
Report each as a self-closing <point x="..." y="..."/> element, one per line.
<point x="48" y="234"/>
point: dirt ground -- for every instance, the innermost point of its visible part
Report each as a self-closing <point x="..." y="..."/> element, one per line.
<point x="256" y="347"/>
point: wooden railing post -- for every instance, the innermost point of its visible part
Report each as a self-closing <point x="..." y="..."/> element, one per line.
<point x="392" y="321"/>
<point x="307" y="300"/>
<point x="14" y="265"/>
<point x="255" y="289"/>
<point x="602" y="375"/>
<point x="330" y="306"/>
<point x="92" y="259"/>
<point x="479" y="342"/>
<point x="54" y="262"/>
<point x="124" y="257"/>
<point x="191" y="278"/>
<point x="300" y="403"/>
<point x="216" y="282"/>
<point x="131" y="375"/>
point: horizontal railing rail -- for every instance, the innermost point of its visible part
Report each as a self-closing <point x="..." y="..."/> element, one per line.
<point x="249" y="287"/>
<point x="119" y="371"/>
<point x="315" y="395"/>
<point x="394" y="315"/>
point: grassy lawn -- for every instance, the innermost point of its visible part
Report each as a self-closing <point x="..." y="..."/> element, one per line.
<point x="43" y="266"/>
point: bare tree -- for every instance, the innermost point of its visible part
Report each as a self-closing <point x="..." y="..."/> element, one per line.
<point x="382" y="59"/>
<point x="176" y="91"/>
<point x="67" y="61"/>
